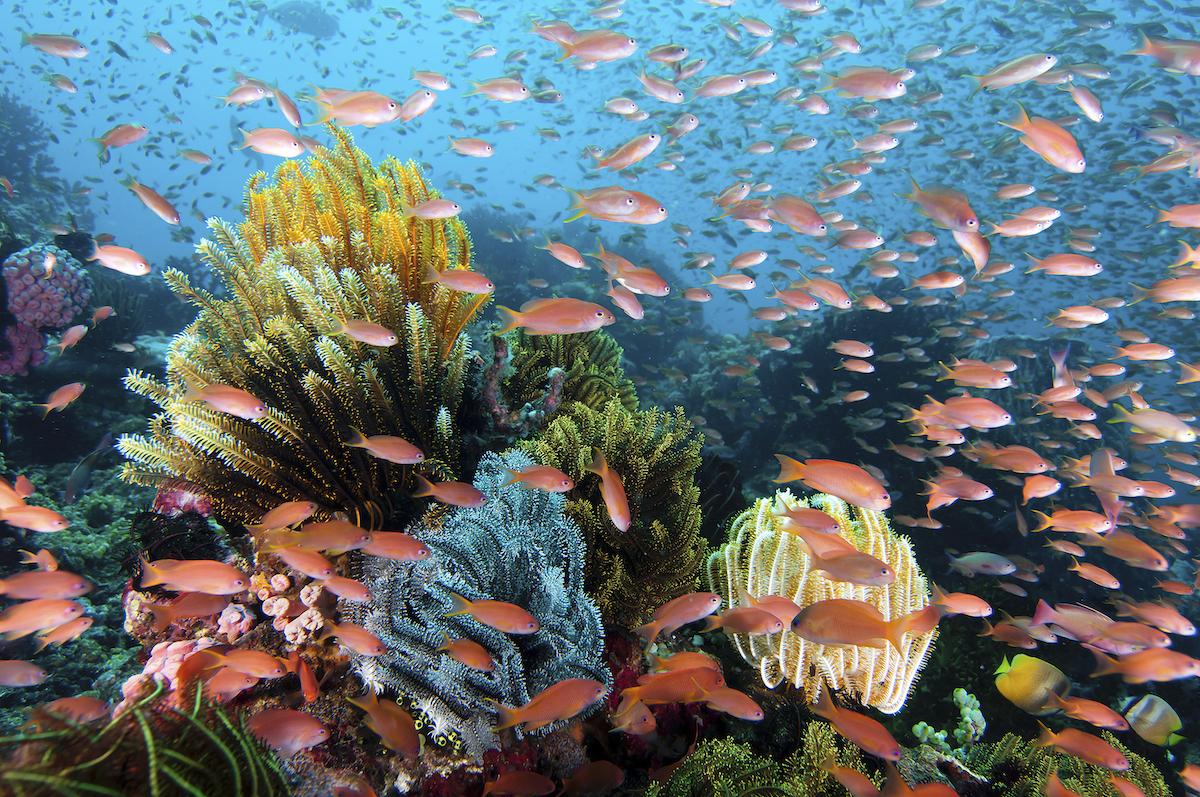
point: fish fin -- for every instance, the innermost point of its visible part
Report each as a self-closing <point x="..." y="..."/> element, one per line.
<point x="1105" y="665"/>
<point x="357" y="439"/>
<point x="1004" y="667"/>
<point x="1044" y="519"/>
<point x="1145" y="46"/>
<point x="599" y="464"/>
<point x="431" y="274"/>
<point x="1143" y="293"/>
<point x="511" y="477"/>
<point x="1045" y="736"/>
<point x="162" y="617"/>
<point x="1043" y="615"/>
<point x="151" y="576"/>
<point x="506" y="716"/>
<point x="649" y="631"/>
<point x="461" y="605"/>
<point x="424" y="487"/>
<point x="824" y="707"/>
<point x="790" y="470"/>
<point x="711" y="623"/>
<point x="1123" y="415"/>
<point x="510" y="319"/>
<point x="1174" y="738"/>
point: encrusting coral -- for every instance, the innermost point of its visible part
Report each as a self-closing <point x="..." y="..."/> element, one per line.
<point x="323" y="244"/>
<point x="762" y="558"/>
<point x="592" y="361"/>
<point x="657" y="454"/>
<point x="519" y="548"/>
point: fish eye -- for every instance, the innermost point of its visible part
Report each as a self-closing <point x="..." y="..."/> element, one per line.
<point x="391" y="105"/>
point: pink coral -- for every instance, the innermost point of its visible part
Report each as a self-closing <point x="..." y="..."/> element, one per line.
<point x="44" y="289"/>
<point x="162" y="667"/>
<point x="20" y="349"/>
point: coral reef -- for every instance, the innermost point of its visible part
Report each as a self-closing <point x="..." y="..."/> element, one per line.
<point x="519" y="547"/>
<point x="45" y="289"/>
<point x="323" y="245"/>
<point x="592" y="362"/>
<point x="763" y="559"/>
<point x="656" y="454"/>
<point x="145" y="749"/>
<point x="725" y="768"/>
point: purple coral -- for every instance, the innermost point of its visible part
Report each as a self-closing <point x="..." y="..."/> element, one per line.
<point x="45" y="288"/>
<point x="528" y="419"/>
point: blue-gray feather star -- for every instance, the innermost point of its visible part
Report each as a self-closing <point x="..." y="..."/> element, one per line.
<point x="519" y="547"/>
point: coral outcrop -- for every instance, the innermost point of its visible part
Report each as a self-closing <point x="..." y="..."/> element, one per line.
<point x="519" y="547"/>
<point x="656" y="454"/>
<point x="45" y="288"/>
<point x="763" y="559"/>
<point x="324" y="244"/>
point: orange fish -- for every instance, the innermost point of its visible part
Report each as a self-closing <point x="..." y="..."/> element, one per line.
<point x="286" y="730"/>
<point x="555" y="317"/>
<point x="852" y="484"/>
<point x="194" y="575"/>
<point x="154" y="201"/>
<point x="1154" y="664"/>
<point x="386" y="447"/>
<point x="1050" y="140"/>
<point x="62" y="397"/>
<point x="559" y="701"/>
<point x="1091" y="749"/>
<point x="541" y="477"/>
<point x="678" y="612"/>
<point x="613" y="491"/>
<point x="452" y="493"/>
<point x="467" y="652"/>
<point x="842" y="621"/>
<point x="506" y="617"/>
<point x="859" y="729"/>
<point x="394" y="725"/>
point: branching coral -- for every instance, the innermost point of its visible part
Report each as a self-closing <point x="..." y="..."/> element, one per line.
<point x="322" y="244"/>
<point x="763" y="559"/>
<point x="725" y="768"/>
<point x="656" y="454"/>
<point x="145" y="749"/>
<point x="519" y="548"/>
<point x="1017" y="767"/>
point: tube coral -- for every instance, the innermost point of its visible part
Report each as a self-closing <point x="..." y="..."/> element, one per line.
<point x="322" y="245"/>
<point x="519" y="548"/>
<point x="763" y="559"/>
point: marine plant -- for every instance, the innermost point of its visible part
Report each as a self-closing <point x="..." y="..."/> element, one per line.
<point x="763" y="559"/>
<point x="145" y="749"/>
<point x="656" y="453"/>
<point x="519" y="547"/>
<point x="1017" y="767"/>
<point x="722" y="767"/>
<point x="324" y="242"/>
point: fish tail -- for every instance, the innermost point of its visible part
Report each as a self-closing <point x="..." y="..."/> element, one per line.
<point x="424" y="487"/>
<point x="577" y="206"/>
<point x="1004" y="666"/>
<point x="649" y="631"/>
<point x="789" y="469"/>
<point x="824" y="707"/>
<point x="103" y="153"/>
<point x="1045" y="736"/>
<point x="1105" y="665"/>
<point x="711" y="623"/>
<point x="1043" y="519"/>
<point x="445" y="643"/>
<point x="151" y="575"/>
<point x="357" y="439"/>
<point x="510" y="477"/>
<point x="506" y="716"/>
<point x="1043" y="615"/>
<point x="978" y="85"/>
<point x="1143" y="293"/>
<point x="599" y="464"/>
<point x="162" y="617"/>
<point x="946" y="372"/>
<point x="987" y="629"/>
<point x="1021" y="122"/>
<point x="568" y="51"/>
<point x="510" y="319"/>
<point x="431" y="274"/>
<point x="1145" y="46"/>
<point x="461" y="605"/>
<point x="1123" y="415"/>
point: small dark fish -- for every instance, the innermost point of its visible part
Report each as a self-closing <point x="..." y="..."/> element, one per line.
<point x="118" y="49"/>
<point x="81" y="475"/>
